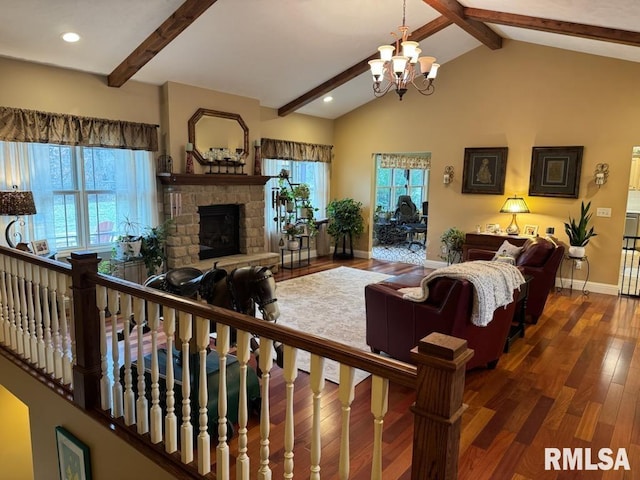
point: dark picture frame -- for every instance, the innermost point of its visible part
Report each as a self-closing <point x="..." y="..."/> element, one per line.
<point x="73" y="456"/>
<point x="555" y="171"/>
<point x="484" y="170"/>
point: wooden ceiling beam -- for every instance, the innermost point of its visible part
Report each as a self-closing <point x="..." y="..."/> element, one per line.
<point x="184" y="16"/>
<point x="358" y="69"/>
<point x="592" y="32"/>
<point x="455" y="12"/>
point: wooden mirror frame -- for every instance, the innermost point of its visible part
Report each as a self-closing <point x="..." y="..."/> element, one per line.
<point x="202" y="112"/>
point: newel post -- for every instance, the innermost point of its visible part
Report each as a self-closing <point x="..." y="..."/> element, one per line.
<point x="86" y="371"/>
<point x="441" y="362"/>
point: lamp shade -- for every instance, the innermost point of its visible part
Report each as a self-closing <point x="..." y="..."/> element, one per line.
<point x="16" y="202"/>
<point x="514" y="205"/>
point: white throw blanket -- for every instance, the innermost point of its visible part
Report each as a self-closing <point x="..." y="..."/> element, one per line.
<point x="494" y="283"/>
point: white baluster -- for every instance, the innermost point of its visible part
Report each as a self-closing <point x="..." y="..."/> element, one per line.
<point x="105" y="382"/>
<point x="346" y="394"/>
<point x="243" y="353"/>
<point x="4" y="324"/>
<point x="42" y="356"/>
<point x="64" y="329"/>
<point x="170" y="421"/>
<point x="156" y="411"/>
<point x="72" y="325"/>
<point x="222" y="450"/>
<point x="204" y="439"/>
<point x="55" y="324"/>
<point x="379" y="405"/>
<point x="24" y="315"/>
<point x="186" y="429"/>
<point x="46" y="312"/>
<point x="16" y="321"/>
<point x="33" y="338"/>
<point x="129" y="394"/>
<point x="265" y="363"/>
<point x="290" y="374"/>
<point x="142" y="405"/>
<point x="317" y="386"/>
<point x="116" y="388"/>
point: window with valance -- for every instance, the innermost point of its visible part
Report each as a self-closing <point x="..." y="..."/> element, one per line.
<point x="86" y="174"/>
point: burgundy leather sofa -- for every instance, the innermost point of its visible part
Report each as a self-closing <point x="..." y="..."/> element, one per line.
<point x="539" y="258"/>
<point x="395" y="325"/>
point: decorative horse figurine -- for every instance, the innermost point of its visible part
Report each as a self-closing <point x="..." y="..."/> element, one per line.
<point x="244" y="289"/>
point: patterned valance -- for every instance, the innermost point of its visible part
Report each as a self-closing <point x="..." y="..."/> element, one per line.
<point x="19" y="125"/>
<point x="405" y="160"/>
<point x="301" y="152"/>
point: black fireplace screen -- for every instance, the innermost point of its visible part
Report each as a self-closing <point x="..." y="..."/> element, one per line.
<point x="219" y="230"/>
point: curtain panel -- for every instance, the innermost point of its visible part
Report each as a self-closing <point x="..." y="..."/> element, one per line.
<point x="301" y="152"/>
<point x="398" y="160"/>
<point x="19" y="125"/>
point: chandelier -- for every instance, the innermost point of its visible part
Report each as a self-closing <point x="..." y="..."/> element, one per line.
<point x="400" y="70"/>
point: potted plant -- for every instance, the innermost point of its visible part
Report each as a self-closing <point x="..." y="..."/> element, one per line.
<point x="291" y="230"/>
<point x="152" y="249"/>
<point x="452" y="240"/>
<point x="345" y="220"/>
<point x="579" y="233"/>
<point x="128" y="243"/>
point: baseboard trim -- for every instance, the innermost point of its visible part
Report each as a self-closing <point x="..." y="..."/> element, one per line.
<point x="592" y="287"/>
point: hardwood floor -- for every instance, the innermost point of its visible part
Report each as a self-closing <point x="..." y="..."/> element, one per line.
<point x="573" y="381"/>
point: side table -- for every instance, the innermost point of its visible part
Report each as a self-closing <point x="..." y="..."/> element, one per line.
<point x="518" y="324"/>
<point x="291" y="253"/>
<point x="576" y="264"/>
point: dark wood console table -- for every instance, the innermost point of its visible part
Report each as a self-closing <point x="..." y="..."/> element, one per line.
<point x="489" y="241"/>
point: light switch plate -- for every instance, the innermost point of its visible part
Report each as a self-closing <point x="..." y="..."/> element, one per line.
<point x="603" y="212"/>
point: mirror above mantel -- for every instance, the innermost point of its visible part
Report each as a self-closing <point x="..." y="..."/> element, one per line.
<point x="213" y="129"/>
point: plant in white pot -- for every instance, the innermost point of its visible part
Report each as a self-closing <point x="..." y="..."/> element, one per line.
<point x="128" y="244"/>
<point x="579" y="232"/>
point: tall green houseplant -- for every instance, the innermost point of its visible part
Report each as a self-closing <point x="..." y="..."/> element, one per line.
<point x="345" y="223"/>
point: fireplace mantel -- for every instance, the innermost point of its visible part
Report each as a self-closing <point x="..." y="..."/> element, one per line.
<point x="212" y="179"/>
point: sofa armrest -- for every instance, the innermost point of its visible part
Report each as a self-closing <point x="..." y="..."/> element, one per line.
<point x="478" y="254"/>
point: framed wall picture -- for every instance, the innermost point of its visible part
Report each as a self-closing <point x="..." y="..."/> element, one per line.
<point x="484" y="170"/>
<point x="40" y="247"/>
<point x="555" y="171"/>
<point x="531" y="230"/>
<point x="73" y="456"/>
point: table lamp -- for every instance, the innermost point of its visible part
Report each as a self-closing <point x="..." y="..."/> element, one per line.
<point x="16" y="202"/>
<point x="514" y="205"/>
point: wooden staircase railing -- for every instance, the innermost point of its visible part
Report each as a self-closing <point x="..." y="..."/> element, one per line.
<point x="63" y="320"/>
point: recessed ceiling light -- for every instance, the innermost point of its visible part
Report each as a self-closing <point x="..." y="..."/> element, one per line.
<point x="70" y="37"/>
<point x="328" y="99"/>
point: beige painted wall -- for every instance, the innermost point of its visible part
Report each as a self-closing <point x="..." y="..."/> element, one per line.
<point x="15" y="438"/>
<point x="519" y="96"/>
<point x="111" y="457"/>
<point x="295" y="127"/>
<point x="57" y="90"/>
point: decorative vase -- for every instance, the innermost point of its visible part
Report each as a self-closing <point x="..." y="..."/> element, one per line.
<point x="293" y="244"/>
<point x="576" y="251"/>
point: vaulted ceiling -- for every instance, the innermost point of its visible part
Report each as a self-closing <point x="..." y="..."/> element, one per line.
<point x="289" y="54"/>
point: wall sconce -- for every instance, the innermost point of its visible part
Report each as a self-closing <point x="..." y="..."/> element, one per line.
<point x="448" y="175"/>
<point x="601" y="174"/>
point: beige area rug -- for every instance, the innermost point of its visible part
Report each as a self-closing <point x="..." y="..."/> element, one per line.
<point x="329" y="304"/>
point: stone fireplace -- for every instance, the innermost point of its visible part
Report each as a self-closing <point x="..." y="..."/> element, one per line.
<point x="244" y="192"/>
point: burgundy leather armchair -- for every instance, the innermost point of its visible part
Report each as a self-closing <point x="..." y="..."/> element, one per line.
<point x="395" y="325"/>
<point x="539" y="258"/>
